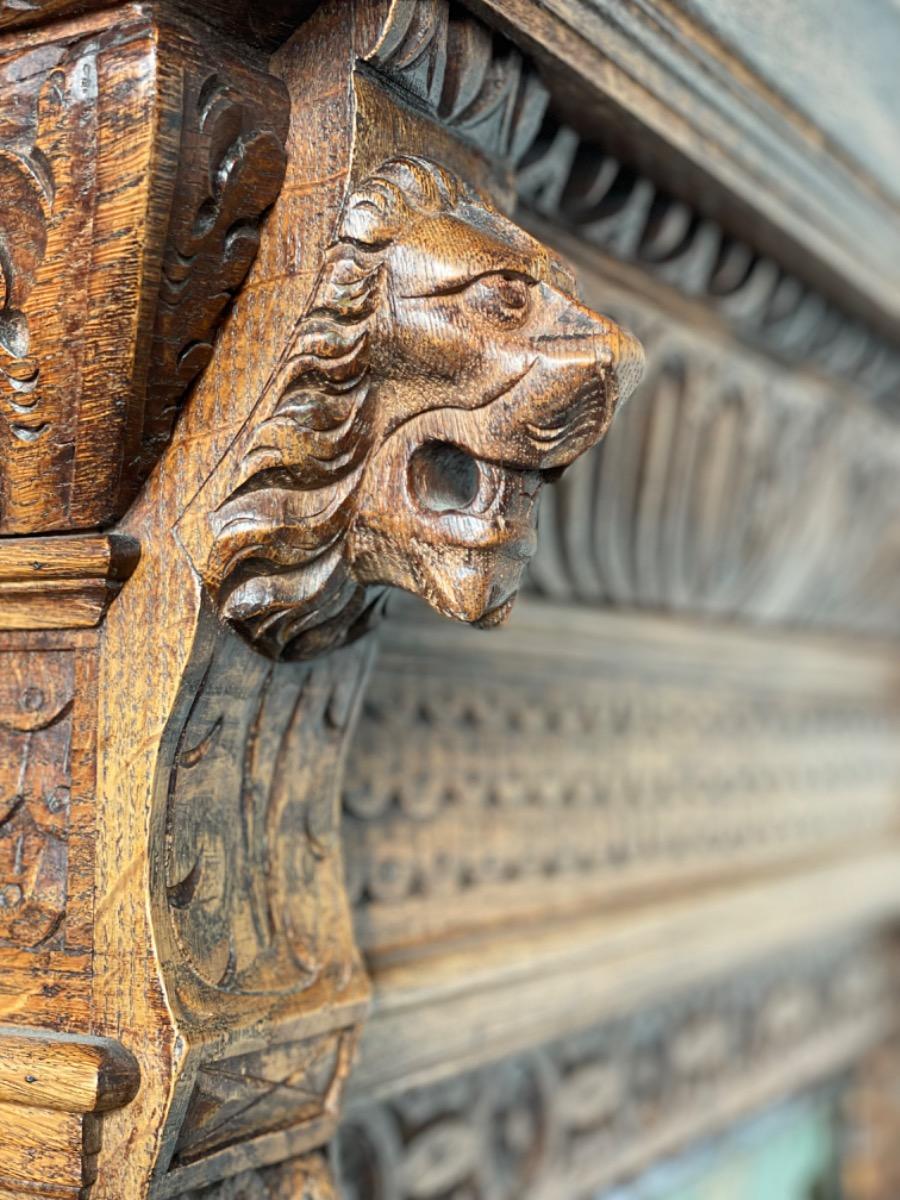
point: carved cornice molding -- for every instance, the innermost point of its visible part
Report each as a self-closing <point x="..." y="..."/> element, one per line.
<point x="581" y="187"/>
<point x="476" y="84"/>
<point x="655" y="77"/>
<point x="482" y="87"/>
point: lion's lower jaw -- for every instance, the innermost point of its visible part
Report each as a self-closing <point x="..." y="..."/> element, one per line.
<point x="496" y="617"/>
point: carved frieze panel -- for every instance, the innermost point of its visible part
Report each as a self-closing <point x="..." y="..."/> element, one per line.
<point x="590" y="1109"/>
<point x="588" y="764"/>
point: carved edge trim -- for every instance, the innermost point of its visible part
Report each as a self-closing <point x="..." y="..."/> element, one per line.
<point x="65" y="1072"/>
<point x="65" y="582"/>
<point x="597" y="1104"/>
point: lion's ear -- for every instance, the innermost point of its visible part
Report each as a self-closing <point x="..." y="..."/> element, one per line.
<point x="373" y="217"/>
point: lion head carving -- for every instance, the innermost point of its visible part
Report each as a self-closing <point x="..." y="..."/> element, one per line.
<point x="443" y="372"/>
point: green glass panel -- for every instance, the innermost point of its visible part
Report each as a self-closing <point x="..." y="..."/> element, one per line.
<point x="788" y="1154"/>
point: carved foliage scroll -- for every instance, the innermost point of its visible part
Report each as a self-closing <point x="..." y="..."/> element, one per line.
<point x="249" y="901"/>
<point x="252" y="869"/>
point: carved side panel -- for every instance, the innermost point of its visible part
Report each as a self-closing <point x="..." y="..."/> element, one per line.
<point x="47" y="831"/>
<point x="133" y="174"/>
<point x="589" y="1110"/>
<point x="36" y="698"/>
<point x="58" y="197"/>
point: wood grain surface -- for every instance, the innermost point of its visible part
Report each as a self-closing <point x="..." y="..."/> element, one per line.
<point x="300" y="302"/>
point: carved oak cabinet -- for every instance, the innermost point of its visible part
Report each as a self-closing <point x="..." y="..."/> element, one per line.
<point x="308" y="311"/>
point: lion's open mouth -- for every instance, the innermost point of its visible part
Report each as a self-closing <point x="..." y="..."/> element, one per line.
<point x="481" y="504"/>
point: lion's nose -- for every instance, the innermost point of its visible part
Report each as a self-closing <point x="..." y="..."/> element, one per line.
<point x="618" y="351"/>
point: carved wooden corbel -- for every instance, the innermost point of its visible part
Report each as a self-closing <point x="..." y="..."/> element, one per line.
<point x="443" y="371"/>
<point x="391" y="384"/>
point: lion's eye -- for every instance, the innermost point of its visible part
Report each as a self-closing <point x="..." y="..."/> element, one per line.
<point x="503" y="298"/>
